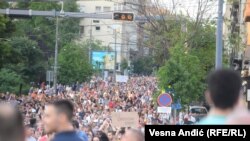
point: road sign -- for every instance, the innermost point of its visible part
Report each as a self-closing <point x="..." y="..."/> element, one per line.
<point x="164" y="110"/>
<point x="164" y="100"/>
<point x="49" y="76"/>
<point x="176" y="106"/>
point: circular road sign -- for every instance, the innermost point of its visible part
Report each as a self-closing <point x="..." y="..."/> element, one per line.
<point x="164" y="100"/>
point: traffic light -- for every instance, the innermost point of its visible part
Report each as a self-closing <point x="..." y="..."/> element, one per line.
<point x="123" y="16"/>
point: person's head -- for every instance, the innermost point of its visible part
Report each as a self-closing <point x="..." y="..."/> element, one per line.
<point x="223" y="89"/>
<point x="133" y="135"/>
<point x="11" y="124"/>
<point x="75" y="124"/>
<point x="90" y="135"/>
<point x="111" y="135"/>
<point x="29" y="130"/>
<point x="95" y="138"/>
<point x="57" y="114"/>
<point x="102" y="136"/>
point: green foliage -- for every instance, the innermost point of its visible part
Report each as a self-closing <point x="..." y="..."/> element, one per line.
<point x="143" y="65"/>
<point x="30" y="63"/>
<point x="184" y="72"/>
<point x="9" y="81"/>
<point x="74" y="64"/>
<point x="124" y="64"/>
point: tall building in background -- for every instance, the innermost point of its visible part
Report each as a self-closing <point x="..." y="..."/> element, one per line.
<point x="117" y="35"/>
<point x="234" y="32"/>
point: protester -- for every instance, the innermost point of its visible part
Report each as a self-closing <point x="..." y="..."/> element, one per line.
<point x="30" y="133"/>
<point x="223" y="94"/>
<point x="133" y="135"/>
<point x="111" y="135"/>
<point x="57" y="119"/>
<point x="80" y="133"/>
<point x="11" y="124"/>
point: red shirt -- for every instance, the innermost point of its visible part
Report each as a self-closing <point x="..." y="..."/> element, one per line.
<point x="43" y="138"/>
<point x="111" y="105"/>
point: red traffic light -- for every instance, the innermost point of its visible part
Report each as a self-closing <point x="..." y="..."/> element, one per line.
<point x="123" y="16"/>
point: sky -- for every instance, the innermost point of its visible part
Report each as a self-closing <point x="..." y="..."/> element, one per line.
<point x="190" y="7"/>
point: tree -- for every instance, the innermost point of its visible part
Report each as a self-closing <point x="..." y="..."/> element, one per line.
<point x="73" y="64"/>
<point x="124" y="64"/>
<point x="9" y="81"/>
<point x="184" y="72"/>
<point x="143" y="65"/>
<point x="30" y="61"/>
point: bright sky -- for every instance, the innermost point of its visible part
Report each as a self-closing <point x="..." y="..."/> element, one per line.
<point x="190" y="7"/>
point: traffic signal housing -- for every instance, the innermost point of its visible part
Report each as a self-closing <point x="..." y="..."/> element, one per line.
<point x="123" y="16"/>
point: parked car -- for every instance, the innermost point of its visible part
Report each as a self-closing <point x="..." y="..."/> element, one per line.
<point x="198" y="112"/>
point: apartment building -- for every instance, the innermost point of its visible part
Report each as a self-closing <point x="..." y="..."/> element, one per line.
<point x="117" y="35"/>
<point x="234" y="33"/>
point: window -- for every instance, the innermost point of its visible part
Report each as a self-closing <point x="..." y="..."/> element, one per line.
<point x="82" y="8"/>
<point x="119" y="8"/>
<point x="98" y="9"/>
<point x="106" y="9"/>
<point x="97" y="28"/>
<point x="96" y="21"/>
<point x="115" y="7"/>
<point x="81" y="30"/>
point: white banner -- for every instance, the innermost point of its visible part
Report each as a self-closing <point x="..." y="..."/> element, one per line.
<point x="121" y="78"/>
<point x="165" y="110"/>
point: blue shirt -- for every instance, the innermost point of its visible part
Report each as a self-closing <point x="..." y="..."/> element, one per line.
<point x="67" y="136"/>
<point x="82" y="135"/>
<point x="213" y="120"/>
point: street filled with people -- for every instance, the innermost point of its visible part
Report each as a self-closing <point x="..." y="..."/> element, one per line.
<point x="94" y="102"/>
<point x="83" y="112"/>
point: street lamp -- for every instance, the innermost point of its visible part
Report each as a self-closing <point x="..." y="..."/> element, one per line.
<point x="115" y="30"/>
<point x="56" y="49"/>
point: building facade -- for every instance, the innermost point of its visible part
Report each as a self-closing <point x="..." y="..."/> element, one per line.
<point x="234" y="33"/>
<point x="120" y="36"/>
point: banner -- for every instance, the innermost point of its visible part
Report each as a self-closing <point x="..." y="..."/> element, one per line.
<point x="122" y="78"/>
<point x="164" y="110"/>
<point x="125" y="119"/>
<point x="103" y="60"/>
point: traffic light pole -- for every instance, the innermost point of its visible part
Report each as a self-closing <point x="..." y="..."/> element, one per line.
<point x="90" y="44"/>
<point x="219" y="52"/>
<point x="56" y="57"/>
<point x="115" y="55"/>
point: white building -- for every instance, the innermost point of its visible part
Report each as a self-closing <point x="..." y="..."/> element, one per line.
<point x="108" y="31"/>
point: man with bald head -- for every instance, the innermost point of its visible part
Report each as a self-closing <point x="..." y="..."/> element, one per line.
<point x="11" y="124"/>
<point x="133" y="135"/>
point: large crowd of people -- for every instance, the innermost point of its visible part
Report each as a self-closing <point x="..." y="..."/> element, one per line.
<point x="83" y="112"/>
<point x="94" y="102"/>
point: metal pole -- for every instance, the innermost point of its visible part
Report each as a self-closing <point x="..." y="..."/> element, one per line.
<point x="115" y="56"/>
<point x="219" y="52"/>
<point x="56" y="56"/>
<point x="49" y="77"/>
<point x="90" y="44"/>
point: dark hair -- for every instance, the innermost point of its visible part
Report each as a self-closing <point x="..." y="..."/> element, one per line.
<point x="75" y="124"/>
<point x="112" y="132"/>
<point x="102" y="136"/>
<point x="11" y="126"/>
<point x="66" y="107"/>
<point x="224" y="86"/>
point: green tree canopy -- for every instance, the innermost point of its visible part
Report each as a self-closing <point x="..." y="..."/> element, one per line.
<point x="9" y="81"/>
<point x="184" y="72"/>
<point x="73" y="64"/>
